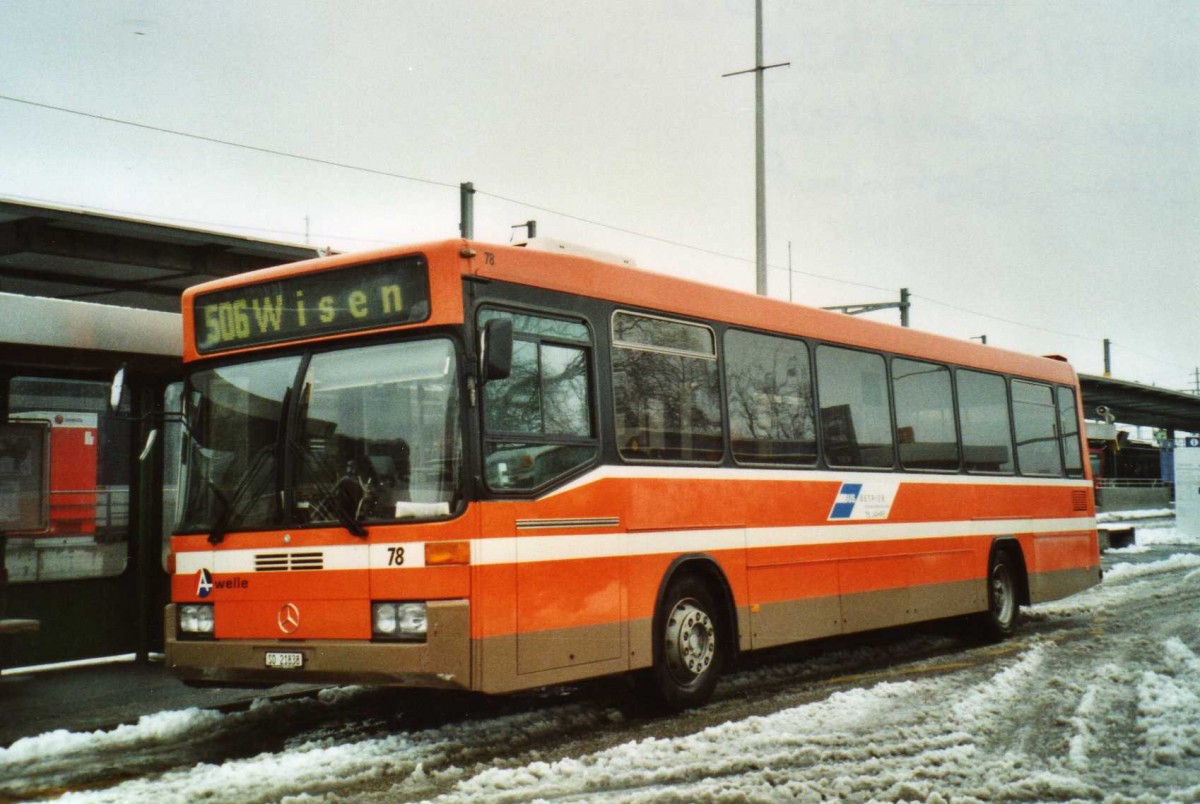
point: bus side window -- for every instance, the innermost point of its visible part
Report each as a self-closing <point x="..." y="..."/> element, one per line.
<point x="770" y="398"/>
<point x="925" y="430"/>
<point x="538" y="421"/>
<point x="1036" y="418"/>
<point x="667" y="391"/>
<point x="984" y="417"/>
<point x="1068" y="423"/>
<point x="856" y="419"/>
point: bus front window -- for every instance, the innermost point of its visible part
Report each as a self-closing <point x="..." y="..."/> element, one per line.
<point x="370" y="434"/>
<point x="379" y="435"/>
<point x="235" y="416"/>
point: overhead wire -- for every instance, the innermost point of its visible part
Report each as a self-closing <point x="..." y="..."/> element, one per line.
<point x="230" y="143"/>
<point x="1076" y="336"/>
<point x="1148" y="357"/>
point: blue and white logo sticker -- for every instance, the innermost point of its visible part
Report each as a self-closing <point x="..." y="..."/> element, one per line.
<point x="204" y="584"/>
<point x="863" y="501"/>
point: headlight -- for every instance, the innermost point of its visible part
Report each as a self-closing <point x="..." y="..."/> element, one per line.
<point x="398" y="620"/>
<point x="196" y="618"/>
<point x="383" y="617"/>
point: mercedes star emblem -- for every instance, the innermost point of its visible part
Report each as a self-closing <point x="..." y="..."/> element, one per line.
<point x="288" y="618"/>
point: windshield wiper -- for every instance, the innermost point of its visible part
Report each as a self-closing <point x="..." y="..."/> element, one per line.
<point x="232" y="506"/>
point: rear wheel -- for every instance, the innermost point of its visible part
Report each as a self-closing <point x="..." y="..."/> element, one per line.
<point x="1000" y="620"/>
<point x="689" y="646"/>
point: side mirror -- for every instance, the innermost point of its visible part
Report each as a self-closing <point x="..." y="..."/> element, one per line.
<point x="117" y="392"/>
<point x="496" y="347"/>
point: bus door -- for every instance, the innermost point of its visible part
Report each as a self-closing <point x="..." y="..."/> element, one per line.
<point x="539" y="431"/>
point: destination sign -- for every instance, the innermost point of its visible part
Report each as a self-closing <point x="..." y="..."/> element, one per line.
<point x="360" y="297"/>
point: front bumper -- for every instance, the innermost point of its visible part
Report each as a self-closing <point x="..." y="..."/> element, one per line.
<point x="443" y="660"/>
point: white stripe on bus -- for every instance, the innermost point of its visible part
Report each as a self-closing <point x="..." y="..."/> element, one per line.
<point x="724" y="473"/>
<point x="530" y="549"/>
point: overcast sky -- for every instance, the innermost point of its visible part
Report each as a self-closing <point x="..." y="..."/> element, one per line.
<point x="1030" y="170"/>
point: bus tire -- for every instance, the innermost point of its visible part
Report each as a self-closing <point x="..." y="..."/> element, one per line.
<point x="689" y="649"/>
<point x="1004" y="604"/>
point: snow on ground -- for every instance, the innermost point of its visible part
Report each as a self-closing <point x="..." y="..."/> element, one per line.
<point x="861" y="743"/>
<point x="325" y="760"/>
<point x="150" y="729"/>
<point x="926" y="740"/>
<point x="1170" y="535"/>
<point x="1148" y="534"/>
<point x="1128" y="516"/>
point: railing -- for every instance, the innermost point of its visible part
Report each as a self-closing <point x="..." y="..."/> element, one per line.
<point x="108" y="506"/>
<point x="1132" y="483"/>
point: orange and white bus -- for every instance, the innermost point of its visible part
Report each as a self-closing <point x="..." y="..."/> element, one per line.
<point x="493" y="468"/>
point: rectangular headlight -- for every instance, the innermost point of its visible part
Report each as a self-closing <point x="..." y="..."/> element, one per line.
<point x="196" y="618"/>
<point x="398" y="620"/>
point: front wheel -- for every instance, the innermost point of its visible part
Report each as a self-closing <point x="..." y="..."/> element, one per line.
<point x="689" y="646"/>
<point x="1000" y="620"/>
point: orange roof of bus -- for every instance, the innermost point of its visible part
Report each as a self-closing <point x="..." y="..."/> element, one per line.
<point x="584" y="276"/>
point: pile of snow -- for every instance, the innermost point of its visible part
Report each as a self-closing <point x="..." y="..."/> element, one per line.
<point x="1129" y="516"/>
<point x="150" y="729"/>
<point x="330" y="760"/>
<point x="1147" y="538"/>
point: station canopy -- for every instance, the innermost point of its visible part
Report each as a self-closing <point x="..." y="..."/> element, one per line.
<point x="1146" y="405"/>
<point x="67" y="254"/>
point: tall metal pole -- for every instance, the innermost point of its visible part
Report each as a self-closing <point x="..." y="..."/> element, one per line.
<point x="1107" y="357"/>
<point x="760" y="161"/>
<point x="789" y="270"/>
<point x="466" y="209"/>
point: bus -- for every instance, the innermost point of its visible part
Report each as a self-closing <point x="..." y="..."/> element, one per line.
<point x="493" y="468"/>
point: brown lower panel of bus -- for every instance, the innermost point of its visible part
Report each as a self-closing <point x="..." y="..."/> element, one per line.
<point x="571" y="654"/>
<point x="1045" y="586"/>
<point x="442" y="661"/>
<point x="798" y="620"/>
<point x="564" y="655"/>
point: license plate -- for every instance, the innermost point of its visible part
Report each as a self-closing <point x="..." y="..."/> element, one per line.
<point x="285" y="661"/>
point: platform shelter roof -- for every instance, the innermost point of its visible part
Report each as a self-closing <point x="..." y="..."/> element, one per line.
<point x="1146" y="405"/>
<point x="62" y="253"/>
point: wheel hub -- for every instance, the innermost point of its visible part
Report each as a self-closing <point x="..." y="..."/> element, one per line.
<point x="1003" y="598"/>
<point x="691" y="643"/>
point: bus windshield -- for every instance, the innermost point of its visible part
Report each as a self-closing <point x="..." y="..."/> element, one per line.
<point x="345" y="437"/>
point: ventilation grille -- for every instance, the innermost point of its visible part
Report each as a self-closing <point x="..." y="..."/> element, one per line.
<point x="1079" y="499"/>
<point x="284" y="562"/>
